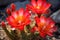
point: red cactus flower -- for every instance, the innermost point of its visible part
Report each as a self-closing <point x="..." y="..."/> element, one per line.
<point x="19" y="19"/>
<point x="8" y="11"/>
<point x="11" y="9"/>
<point x="39" y="6"/>
<point x="13" y="6"/>
<point x="34" y="29"/>
<point x="3" y="23"/>
<point x="41" y="21"/>
<point x="46" y="26"/>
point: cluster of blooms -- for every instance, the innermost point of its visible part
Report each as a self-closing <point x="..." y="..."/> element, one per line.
<point x="20" y="18"/>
